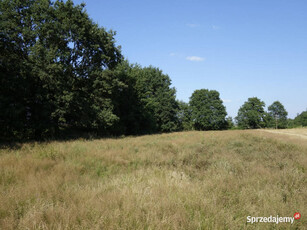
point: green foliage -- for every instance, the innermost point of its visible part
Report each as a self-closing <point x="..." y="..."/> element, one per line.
<point x="60" y="71"/>
<point x="157" y="98"/>
<point x="300" y="119"/>
<point x="55" y="68"/>
<point x="184" y="115"/>
<point x="290" y="123"/>
<point x="251" y="114"/>
<point x="269" y="121"/>
<point x="230" y="123"/>
<point x="278" y="116"/>
<point x="145" y="103"/>
<point x="127" y="105"/>
<point x="207" y="110"/>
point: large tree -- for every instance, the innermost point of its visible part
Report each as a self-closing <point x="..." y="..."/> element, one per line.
<point x="55" y="66"/>
<point x="128" y="105"/>
<point x="146" y="102"/>
<point x="301" y="119"/>
<point x="279" y="115"/>
<point x="207" y="110"/>
<point x="158" y="98"/>
<point x="251" y="114"/>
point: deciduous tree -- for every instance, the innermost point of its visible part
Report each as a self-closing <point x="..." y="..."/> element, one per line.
<point x="251" y="114"/>
<point x="55" y="65"/>
<point x="301" y="119"/>
<point x="279" y="114"/>
<point x="207" y="110"/>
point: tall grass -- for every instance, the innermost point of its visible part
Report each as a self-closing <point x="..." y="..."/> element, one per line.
<point x="188" y="180"/>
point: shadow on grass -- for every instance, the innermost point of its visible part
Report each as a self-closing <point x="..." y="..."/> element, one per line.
<point x="6" y="143"/>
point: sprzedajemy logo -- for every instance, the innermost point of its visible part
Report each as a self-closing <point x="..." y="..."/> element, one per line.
<point x="273" y="219"/>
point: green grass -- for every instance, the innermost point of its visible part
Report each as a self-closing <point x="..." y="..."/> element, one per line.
<point x="188" y="180"/>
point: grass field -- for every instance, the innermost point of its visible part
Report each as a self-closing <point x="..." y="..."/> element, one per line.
<point x="188" y="180"/>
<point x="298" y="132"/>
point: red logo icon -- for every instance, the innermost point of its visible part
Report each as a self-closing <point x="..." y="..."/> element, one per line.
<point x="297" y="215"/>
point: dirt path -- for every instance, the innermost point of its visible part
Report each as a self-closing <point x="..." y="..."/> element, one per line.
<point x="302" y="133"/>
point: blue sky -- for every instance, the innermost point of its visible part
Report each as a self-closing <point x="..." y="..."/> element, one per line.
<point x="241" y="48"/>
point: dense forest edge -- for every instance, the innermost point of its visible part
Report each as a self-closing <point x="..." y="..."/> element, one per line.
<point x="63" y="76"/>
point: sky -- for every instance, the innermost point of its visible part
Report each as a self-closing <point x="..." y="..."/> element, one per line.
<point x="241" y="48"/>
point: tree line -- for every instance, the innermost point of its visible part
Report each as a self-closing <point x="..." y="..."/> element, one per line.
<point x="252" y="115"/>
<point x="208" y="114"/>
<point x="62" y="73"/>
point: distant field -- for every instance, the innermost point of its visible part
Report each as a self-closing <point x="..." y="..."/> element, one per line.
<point x="188" y="180"/>
<point x="298" y="132"/>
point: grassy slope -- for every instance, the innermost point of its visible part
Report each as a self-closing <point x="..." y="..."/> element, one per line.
<point x="297" y="132"/>
<point x="188" y="180"/>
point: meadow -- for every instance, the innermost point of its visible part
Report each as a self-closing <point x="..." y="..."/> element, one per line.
<point x="184" y="180"/>
<point x="295" y="132"/>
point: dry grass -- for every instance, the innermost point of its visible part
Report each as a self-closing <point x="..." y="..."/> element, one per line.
<point x="297" y="132"/>
<point x="188" y="180"/>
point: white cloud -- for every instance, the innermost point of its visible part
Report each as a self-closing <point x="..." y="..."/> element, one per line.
<point x="192" y="25"/>
<point x="172" y="54"/>
<point x="226" y="100"/>
<point x="194" y="58"/>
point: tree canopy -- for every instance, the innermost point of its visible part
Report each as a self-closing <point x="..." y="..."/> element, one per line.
<point x="278" y="115"/>
<point x="251" y="114"/>
<point x="54" y="64"/>
<point x="301" y="119"/>
<point x="147" y="103"/>
<point x="184" y="115"/>
<point x="207" y="110"/>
